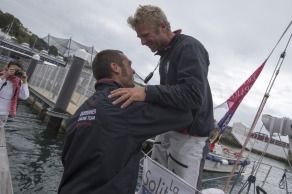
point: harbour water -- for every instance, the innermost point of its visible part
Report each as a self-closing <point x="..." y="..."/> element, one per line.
<point x="34" y="153"/>
<point x="35" y="157"/>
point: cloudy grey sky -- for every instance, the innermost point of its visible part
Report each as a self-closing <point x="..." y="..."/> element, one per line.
<point x="239" y="35"/>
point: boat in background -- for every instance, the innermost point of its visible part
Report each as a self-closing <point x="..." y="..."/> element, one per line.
<point x="258" y="142"/>
<point x="222" y="159"/>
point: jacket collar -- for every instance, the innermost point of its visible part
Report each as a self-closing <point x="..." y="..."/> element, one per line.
<point x="107" y="82"/>
<point x="170" y="45"/>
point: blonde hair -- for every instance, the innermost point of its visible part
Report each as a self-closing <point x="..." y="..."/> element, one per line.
<point x="148" y="14"/>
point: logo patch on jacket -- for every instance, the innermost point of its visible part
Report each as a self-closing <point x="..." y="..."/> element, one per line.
<point x="87" y="115"/>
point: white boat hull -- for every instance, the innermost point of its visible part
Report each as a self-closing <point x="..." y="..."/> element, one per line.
<point x="223" y="160"/>
<point x="214" y="166"/>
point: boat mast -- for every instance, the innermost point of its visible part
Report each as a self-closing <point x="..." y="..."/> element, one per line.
<point x="261" y="107"/>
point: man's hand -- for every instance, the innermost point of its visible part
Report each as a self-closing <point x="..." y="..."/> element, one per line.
<point x="24" y="78"/>
<point x="128" y="94"/>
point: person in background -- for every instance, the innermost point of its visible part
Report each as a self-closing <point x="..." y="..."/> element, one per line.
<point x="13" y="86"/>
<point x="102" y="148"/>
<point x="2" y="71"/>
<point x="183" y="70"/>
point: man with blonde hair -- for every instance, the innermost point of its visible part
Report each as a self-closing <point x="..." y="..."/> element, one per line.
<point x="183" y="69"/>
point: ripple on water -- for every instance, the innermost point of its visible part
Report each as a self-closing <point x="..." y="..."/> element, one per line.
<point x="34" y="153"/>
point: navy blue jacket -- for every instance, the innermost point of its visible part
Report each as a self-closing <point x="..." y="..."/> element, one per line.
<point x="183" y="77"/>
<point x="101" y="152"/>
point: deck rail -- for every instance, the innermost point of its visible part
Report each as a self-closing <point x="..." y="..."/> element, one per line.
<point x="271" y="177"/>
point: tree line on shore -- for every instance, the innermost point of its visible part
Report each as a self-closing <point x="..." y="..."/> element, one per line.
<point x="13" y="27"/>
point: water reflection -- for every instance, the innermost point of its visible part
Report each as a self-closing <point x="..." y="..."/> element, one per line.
<point x="34" y="153"/>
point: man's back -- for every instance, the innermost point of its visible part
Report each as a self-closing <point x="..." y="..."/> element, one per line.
<point x="101" y="153"/>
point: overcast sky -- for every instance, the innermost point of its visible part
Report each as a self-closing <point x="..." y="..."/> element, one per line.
<point x="239" y="36"/>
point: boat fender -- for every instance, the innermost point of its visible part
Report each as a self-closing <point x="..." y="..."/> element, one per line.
<point x="244" y="162"/>
<point x="223" y="161"/>
<point x="216" y="159"/>
<point x="231" y="162"/>
<point x="212" y="191"/>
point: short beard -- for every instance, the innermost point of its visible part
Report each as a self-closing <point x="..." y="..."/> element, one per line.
<point x="124" y="72"/>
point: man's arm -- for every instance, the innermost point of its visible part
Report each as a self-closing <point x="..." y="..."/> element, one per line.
<point x="129" y="95"/>
<point x="146" y="120"/>
<point x="187" y="93"/>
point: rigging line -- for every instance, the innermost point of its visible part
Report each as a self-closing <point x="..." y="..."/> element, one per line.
<point x="275" y="73"/>
<point x="240" y="172"/>
<point x="262" y="156"/>
<point x="255" y="141"/>
<point x="267" y="95"/>
<point x="261" y="107"/>
<point x="279" y="40"/>
<point x="285" y="153"/>
<point x="247" y="139"/>
<point x="272" y="81"/>
<point x="215" y="136"/>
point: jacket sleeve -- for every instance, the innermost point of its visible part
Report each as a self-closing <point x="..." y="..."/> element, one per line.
<point x="147" y="120"/>
<point x="24" y="92"/>
<point x="191" y="84"/>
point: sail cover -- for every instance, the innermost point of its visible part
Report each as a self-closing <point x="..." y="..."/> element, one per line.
<point x="283" y="126"/>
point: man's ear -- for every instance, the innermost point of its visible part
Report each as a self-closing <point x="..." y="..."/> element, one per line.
<point x="115" y="67"/>
<point x="163" y="26"/>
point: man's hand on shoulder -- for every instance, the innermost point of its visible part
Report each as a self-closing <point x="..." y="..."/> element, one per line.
<point x="128" y="95"/>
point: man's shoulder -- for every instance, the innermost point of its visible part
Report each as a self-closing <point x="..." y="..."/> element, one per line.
<point x="187" y="39"/>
